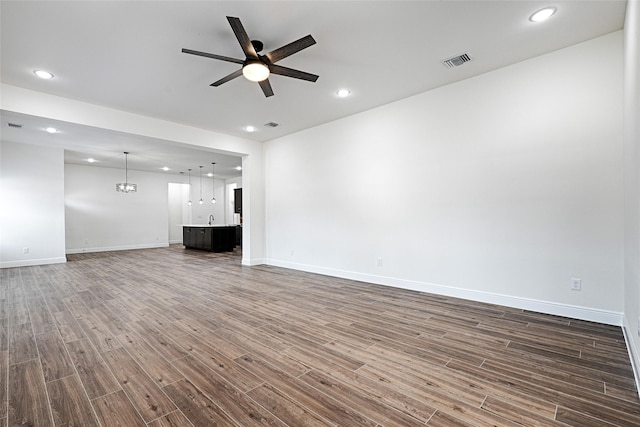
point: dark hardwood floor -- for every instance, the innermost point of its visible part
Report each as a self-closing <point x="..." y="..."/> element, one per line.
<point x="168" y="337"/>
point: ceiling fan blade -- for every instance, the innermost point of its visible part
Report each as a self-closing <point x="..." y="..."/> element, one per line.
<point x="225" y="79"/>
<point x="213" y="56"/>
<point x="243" y="38"/>
<point x="290" y="49"/>
<point x="266" y="88"/>
<point x="290" y="72"/>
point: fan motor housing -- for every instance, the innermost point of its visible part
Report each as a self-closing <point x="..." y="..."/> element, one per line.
<point x="257" y="45"/>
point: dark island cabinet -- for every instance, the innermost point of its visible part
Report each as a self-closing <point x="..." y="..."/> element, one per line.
<point x="189" y="236"/>
<point x="212" y="239"/>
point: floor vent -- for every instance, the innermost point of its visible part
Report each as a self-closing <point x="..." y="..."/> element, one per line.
<point x="14" y="125"/>
<point x="271" y="125"/>
<point x="456" y="61"/>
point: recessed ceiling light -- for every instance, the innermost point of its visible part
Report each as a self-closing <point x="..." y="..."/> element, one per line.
<point x="543" y="14"/>
<point x="238" y="168"/>
<point x="250" y="128"/>
<point x="165" y="169"/>
<point x="91" y="160"/>
<point x="51" y="130"/>
<point x="43" y="74"/>
<point x="343" y="93"/>
<point x="210" y="174"/>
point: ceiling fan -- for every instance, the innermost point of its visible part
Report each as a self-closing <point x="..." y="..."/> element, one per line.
<point x="256" y="67"/>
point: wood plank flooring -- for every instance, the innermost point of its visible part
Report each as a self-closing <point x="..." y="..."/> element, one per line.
<point x="169" y="337"/>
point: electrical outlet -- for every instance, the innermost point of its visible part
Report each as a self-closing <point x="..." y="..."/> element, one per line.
<point x="379" y="261"/>
<point x="25" y="250"/>
<point x="576" y="284"/>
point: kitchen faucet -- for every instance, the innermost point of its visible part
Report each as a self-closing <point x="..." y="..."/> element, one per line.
<point x="211" y="219"/>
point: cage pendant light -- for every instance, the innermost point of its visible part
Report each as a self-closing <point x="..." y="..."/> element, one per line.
<point x="213" y="198"/>
<point x="200" y="201"/>
<point x="126" y="186"/>
<point x="189" y="203"/>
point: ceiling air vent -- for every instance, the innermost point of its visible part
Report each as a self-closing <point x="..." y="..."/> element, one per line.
<point x="271" y="124"/>
<point x="14" y="125"/>
<point x="456" y="61"/>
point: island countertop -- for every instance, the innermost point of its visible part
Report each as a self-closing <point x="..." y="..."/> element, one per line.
<point x="212" y="225"/>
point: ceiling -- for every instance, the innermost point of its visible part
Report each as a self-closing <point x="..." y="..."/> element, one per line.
<point x="127" y="56"/>
<point x="107" y="147"/>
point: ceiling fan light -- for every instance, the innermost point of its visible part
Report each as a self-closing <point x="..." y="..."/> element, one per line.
<point x="255" y="71"/>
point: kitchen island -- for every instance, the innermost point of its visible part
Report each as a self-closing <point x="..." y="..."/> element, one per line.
<point x="212" y="238"/>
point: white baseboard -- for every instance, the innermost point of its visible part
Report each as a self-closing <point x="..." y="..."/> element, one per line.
<point x="116" y="248"/>
<point x="539" y="306"/>
<point x="633" y="352"/>
<point x="32" y="262"/>
<point x="173" y="242"/>
<point x="250" y="262"/>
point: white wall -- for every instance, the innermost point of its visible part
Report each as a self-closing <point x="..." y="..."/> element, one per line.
<point x="200" y="213"/>
<point x="31" y="205"/>
<point x="98" y="218"/>
<point x="499" y="188"/>
<point x="632" y="184"/>
<point x="102" y="219"/>
<point x="179" y="212"/>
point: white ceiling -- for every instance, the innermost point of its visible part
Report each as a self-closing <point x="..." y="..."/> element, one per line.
<point x="127" y="55"/>
<point x="107" y="147"/>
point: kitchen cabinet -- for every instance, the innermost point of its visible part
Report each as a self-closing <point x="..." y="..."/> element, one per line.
<point x="212" y="238"/>
<point x="237" y="200"/>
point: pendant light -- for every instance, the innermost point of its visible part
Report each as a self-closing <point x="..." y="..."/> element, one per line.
<point x="126" y="186"/>
<point x="200" y="201"/>
<point x="189" y="203"/>
<point x="213" y="198"/>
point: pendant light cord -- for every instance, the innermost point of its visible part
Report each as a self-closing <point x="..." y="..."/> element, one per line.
<point x="189" y="203"/>
<point x="213" y="189"/>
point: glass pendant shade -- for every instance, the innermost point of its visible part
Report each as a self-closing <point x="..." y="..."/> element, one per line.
<point x="126" y="186"/>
